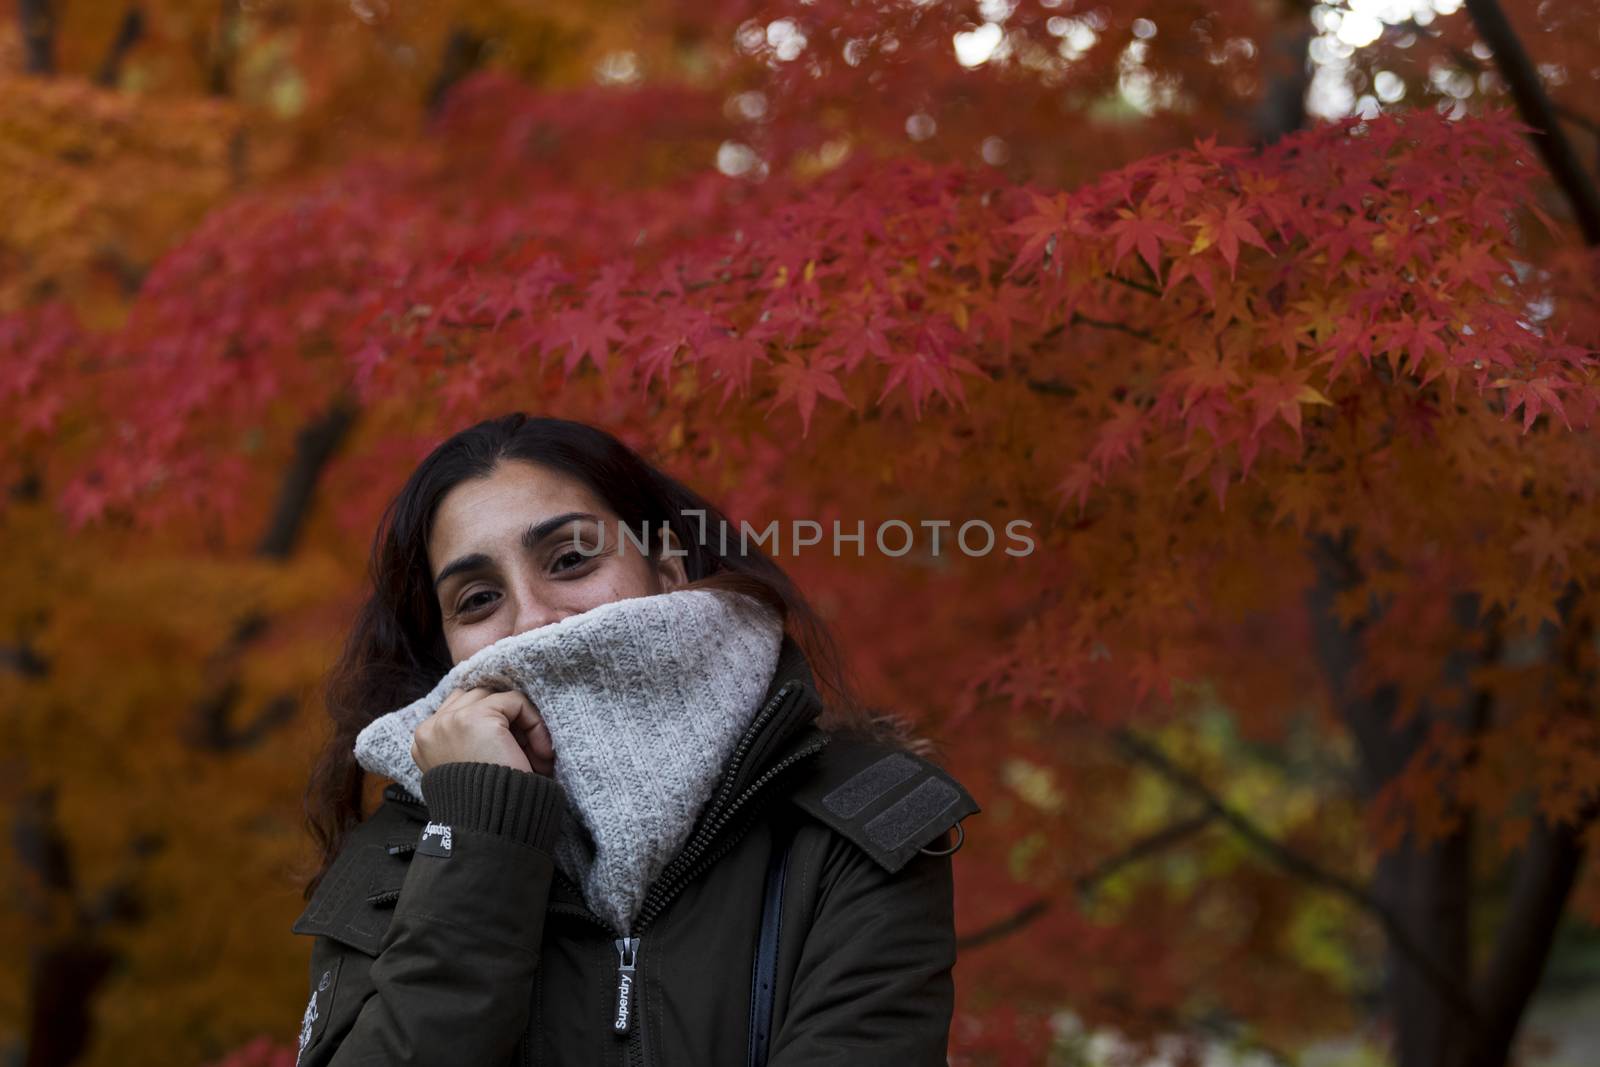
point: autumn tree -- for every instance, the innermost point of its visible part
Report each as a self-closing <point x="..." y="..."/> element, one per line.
<point x="1291" y="699"/>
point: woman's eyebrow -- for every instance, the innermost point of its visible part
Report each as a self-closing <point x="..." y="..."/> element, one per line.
<point x="533" y="535"/>
<point x="531" y="538"/>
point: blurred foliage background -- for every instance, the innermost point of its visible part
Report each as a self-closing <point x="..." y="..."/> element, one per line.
<point x="159" y="673"/>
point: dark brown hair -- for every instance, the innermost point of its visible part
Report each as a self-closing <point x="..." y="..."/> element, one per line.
<point x="396" y="652"/>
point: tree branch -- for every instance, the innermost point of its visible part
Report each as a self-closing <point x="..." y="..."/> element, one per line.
<point x="1444" y="983"/>
<point x="38" y="20"/>
<point x="463" y="51"/>
<point x="129" y="33"/>
<point x="1002" y="928"/>
<point x="1143" y="848"/>
<point x="1109" y="324"/>
<point x="1282" y="107"/>
<point x="224" y="49"/>
<point x="24" y="659"/>
<point x="1143" y="287"/>
<point x="1469" y="62"/>
<point x="1086" y="883"/>
<point x="1528" y="91"/>
<point x="210" y="723"/>
<point x="1547" y="869"/>
<point x="66" y="971"/>
<point x="314" y="447"/>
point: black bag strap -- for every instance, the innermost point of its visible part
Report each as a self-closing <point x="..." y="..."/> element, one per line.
<point x="763" y="980"/>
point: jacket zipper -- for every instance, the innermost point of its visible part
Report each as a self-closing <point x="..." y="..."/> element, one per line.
<point x="673" y="879"/>
<point x="692" y="861"/>
<point x="627" y="997"/>
<point x="627" y="966"/>
<point x="679" y="873"/>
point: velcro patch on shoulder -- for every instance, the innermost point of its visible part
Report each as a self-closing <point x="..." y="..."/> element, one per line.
<point x="890" y="802"/>
<point x="342" y="908"/>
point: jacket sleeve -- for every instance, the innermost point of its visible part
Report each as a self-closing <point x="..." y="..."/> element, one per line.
<point x="874" y="985"/>
<point x="452" y="980"/>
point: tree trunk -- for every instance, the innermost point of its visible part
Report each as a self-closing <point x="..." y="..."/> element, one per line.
<point x="1427" y="886"/>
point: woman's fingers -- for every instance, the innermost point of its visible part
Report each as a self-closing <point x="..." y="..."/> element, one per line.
<point x="544" y="749"/>
<point x="531" y="732"/>
<point x="526" y="726"/>
<point x="458" y="696"/>
<point x="488" y="725"/>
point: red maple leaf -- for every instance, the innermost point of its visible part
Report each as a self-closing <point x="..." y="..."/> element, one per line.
<point x="584" y="334"/>
<point x="1144" y="232"/>
<point x="1050" y="220"/>
<point x="1226" y="229"/>
<point x="803" y="383"/>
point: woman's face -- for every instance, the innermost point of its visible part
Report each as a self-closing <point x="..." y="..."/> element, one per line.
<point x="503" y="560"/>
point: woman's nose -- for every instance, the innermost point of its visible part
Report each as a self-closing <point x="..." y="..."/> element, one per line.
<point x="532" y="614"/>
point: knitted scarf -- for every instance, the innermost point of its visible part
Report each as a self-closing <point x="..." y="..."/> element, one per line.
<point x="645" y="699"/>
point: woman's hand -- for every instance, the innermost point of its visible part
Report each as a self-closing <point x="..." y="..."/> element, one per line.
<point x="485" y="726"/>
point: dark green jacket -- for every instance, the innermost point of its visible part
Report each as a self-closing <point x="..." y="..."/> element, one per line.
<point x="464" y="945"/>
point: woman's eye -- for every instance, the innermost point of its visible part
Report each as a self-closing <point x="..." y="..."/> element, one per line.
<point x="470" y="603"/>
<point x="576" y="558"/>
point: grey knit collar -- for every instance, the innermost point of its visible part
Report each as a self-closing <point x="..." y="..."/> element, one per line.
<point x="645" y="699"/>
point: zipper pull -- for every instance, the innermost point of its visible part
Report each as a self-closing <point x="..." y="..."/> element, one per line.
<point x="627" y="957"/>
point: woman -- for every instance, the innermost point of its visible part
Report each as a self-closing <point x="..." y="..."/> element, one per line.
<point x="780" y="889"/>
